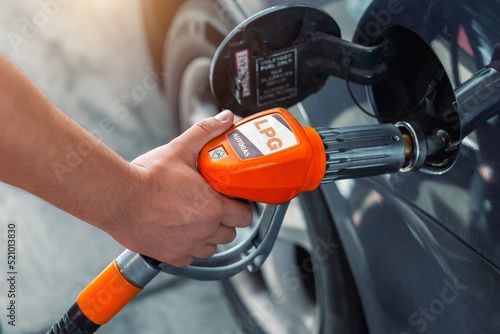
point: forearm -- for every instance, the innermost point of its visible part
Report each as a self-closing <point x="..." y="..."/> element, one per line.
<point x="46" y="153"/>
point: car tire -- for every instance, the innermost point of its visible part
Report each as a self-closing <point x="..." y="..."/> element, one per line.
<point x="306" y="285"/>
<point x="197" y="29"/>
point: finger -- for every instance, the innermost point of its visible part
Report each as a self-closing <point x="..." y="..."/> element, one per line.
<point x="205" y="251"/>
<point x="236" y="213"/>
<point x="223" y="235"/>
<point x="180" y="261"/>
<point x="205" y="130"/>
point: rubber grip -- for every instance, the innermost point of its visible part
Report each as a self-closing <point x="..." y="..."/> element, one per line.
<point x="360" y="151"/>
<point x="102" y="299"/>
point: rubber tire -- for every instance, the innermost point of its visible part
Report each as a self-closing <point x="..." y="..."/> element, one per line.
<point x="196" y="31"/>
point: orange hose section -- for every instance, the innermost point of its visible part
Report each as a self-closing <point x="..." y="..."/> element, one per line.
<point x="106" y="295"/>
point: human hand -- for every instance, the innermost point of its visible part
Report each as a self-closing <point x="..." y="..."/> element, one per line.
<point x="173" y="215"/>
<point x="158" y="205"/>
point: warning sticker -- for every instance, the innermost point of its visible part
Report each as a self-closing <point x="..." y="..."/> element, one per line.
<point x="243" y="71"/>
<point x="262" y="136"/>
<point x="277" y="77"/>
<point x="217" y="153"/>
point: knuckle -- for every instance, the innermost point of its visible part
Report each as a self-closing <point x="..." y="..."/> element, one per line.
<point x="204" y="232"/>
<point x="204" y="125"/>
<point x="219" y="210"/>
<point x="215" y="212"/>
<point x="184" y="248"/>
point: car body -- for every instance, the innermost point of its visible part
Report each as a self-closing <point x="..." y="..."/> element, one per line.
<point x="421" y="247"/>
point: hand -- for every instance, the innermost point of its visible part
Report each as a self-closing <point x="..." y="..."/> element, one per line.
<point x="173" y="214"/>
<point x="158" y="205"/>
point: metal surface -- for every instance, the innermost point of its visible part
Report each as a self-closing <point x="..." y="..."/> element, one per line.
<point x="136" y="269"/>
<point x="419" y="146"/>
<point x="478" y="99"/>
<point x="249" y="253"/>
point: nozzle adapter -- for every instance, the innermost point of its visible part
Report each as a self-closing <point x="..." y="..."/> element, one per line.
<point x="361" y="151"/>
<point x="419" y="146"/>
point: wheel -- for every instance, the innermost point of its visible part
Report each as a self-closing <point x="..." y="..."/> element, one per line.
<point x="305" y="286"/>
<point x="196" y="31"/>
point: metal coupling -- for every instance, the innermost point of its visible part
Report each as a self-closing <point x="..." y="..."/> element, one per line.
<point x="419" y="146"/>
<point x="136" y="268"/>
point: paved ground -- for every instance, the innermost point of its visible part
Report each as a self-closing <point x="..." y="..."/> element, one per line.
<point x="89" y="57"/>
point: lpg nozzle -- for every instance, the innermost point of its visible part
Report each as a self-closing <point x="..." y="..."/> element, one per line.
<point x="269" y="157"/>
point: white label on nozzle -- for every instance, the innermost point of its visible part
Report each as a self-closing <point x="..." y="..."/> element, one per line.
<point x="262" y="136"/>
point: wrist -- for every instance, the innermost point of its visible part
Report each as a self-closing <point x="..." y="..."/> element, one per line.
<point x="123" y="201"/>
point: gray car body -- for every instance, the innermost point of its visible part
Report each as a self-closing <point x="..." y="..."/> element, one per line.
<point x="422" y="247"/>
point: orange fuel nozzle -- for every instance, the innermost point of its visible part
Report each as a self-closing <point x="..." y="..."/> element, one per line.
<point x="269" y="157"/>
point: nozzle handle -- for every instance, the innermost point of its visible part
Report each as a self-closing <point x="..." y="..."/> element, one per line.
<point x="249" y="253"/>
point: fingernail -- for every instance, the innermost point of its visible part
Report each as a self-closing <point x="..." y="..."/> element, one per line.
<point x="223" y="115"/>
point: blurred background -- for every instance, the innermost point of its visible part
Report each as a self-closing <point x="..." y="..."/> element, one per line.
<point x="90" y="58"/>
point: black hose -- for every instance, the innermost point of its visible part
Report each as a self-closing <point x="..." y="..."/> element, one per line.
<point x="74" y="321"/>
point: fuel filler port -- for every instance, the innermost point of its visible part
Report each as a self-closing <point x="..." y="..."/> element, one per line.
<point x="280" y="56"/>
<point x="416" y="89"/>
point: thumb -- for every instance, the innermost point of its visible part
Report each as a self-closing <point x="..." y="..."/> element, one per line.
<point x="197" y="136"/>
